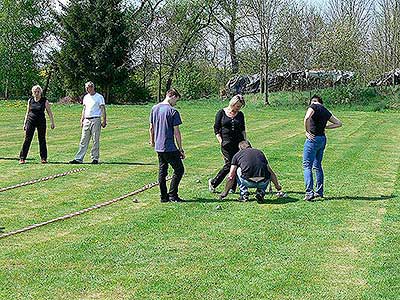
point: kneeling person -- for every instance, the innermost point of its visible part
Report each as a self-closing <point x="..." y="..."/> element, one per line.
<point x="253" y="171"/>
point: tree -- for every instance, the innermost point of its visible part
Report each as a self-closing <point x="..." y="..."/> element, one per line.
<point x="266" y="13"/>
<point x="23" y="27"/>
<point x="94" y="45"/>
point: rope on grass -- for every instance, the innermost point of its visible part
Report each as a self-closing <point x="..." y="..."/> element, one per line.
<point x="40" y="180"/>
<point x="77" y="213"/>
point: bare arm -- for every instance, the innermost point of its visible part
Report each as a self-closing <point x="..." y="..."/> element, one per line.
<point x="336" y="123"/>
<point x="26" y="115"/>
<point x="178" y="138"/>
<point x="229" y="182"/>
<point x="307" y="119"/>
<point x="83" y="115"/>
<point x="219" y="138"/>
<point x="50" y="113"/>
<point x="104" y="115"/>
<point x="274" y="179"/>
<point x="151" y="135"/>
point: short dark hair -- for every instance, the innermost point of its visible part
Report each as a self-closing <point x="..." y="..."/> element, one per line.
<point x="318" y="98"/>
<point x="244" y="144"/>
<point x="173" y="93"/>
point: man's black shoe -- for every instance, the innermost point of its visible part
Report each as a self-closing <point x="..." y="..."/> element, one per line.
<point x="176" y="199"/>
<point x="95" y="162"/>
<point x="74" y="161"/>
<point x="164" y="200"/>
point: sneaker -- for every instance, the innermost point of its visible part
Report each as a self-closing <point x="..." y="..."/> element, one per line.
<point x="95" y="162"/>
<point x="44" y="161"/>
<point x="232" y="191"/>
<point x="316" y="195"/>
<point x="74" y="161"/>
<point x="244" y="198"/>
<point x="281" y="194"/>
<point x="21" y="161"/>
<point x="175" y="199"/>
<point x="309" y="197"/>
<point x="211" y="188"/>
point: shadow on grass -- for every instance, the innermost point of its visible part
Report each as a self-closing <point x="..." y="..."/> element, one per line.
<point x="14" y="158"/>
<point x="267" y="200"/>
<point x="103" y="163"/>
<point x="361" y="198"/>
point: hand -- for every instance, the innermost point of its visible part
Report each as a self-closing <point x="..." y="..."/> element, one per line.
<point x="310" y="136"/>
<point x="152" y="144"/>
<point x="182" y="154"/>
<point x="104" y="124"/>
<point x="81" y="123"/>
<point x="278" y="187"/>
<point x="52" y="126"/>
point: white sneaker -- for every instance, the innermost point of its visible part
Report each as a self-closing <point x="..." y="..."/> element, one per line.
<point x="281" y="194"/>
<point x="211" y="188"/>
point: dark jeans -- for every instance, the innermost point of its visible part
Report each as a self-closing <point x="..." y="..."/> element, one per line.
<point x="228" y="152"/>
<point x="30" y="126"/>
<point x="174" y="159"/>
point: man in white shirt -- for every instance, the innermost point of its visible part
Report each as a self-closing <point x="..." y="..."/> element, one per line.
<point x="93" y="111"/>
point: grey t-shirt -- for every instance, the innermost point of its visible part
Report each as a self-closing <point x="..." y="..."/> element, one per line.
<point x="164" y="117"/>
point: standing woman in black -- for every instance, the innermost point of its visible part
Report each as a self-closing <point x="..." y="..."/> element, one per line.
<point x="35" y="118"/>
<point x="229" y="129"/>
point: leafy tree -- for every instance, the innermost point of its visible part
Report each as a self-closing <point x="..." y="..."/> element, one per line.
<point x="23" y="28"/>
<point x="94" y="44"/>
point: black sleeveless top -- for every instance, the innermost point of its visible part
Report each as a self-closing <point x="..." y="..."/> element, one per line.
<point x="36" y="108"/>
<point x="230" y="128"/>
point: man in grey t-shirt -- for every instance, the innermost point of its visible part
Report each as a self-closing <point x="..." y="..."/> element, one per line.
<point x="164" y="131"/>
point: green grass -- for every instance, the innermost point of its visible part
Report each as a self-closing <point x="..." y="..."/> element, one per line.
<point x="345" y="247"/>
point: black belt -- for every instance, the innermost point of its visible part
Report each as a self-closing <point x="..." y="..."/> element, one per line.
<point x="92" y="118"/>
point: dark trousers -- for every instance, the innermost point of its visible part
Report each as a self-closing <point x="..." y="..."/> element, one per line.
<point x="30" y="126"/>
<point x="173" y="159"/>
<point x="228" y="152"/>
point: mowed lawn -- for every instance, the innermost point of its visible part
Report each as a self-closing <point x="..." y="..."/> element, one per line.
<point x="345" y="247"/>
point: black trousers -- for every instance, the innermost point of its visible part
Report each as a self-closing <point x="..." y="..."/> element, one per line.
<point x="30" y="126"/>
<point x="173" y="159"/>
<point x="228" y="152"/>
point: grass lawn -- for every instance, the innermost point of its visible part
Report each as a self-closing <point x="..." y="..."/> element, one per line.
<point x="345" y="247"/>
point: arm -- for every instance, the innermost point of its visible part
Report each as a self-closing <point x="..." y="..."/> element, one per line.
<point x="104" y="115"/>
<point x="26" y="115"/>
<point x="217" y="126"/>
<point x="151" y="134"/>
<point x="307" y="119"/>
<point x="274" y="179"/>
<point x="229" y="182"/>
<point x="336" y="123"/>
<point x="83" y="115"/>
<point x="50" y="113"/>
<point x="178" y="138"/>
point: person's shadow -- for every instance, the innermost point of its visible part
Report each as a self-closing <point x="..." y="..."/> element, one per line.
<point x="346" y="197"/>
<point x="267" y="200"/>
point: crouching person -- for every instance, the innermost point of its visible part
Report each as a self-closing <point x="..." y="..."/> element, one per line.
<point x="251" y="168"/>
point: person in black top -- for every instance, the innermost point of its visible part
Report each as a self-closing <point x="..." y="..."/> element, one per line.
<point x="251" y="168"/>
<point x="315" y="120"/>
<point x="230" y="130"/>
<point x="35" y="118"/>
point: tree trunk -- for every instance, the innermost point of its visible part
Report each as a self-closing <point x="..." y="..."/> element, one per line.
<point x="232" y="48"/>
<point x="46" y="86"/>
<point x="266" y="68"/>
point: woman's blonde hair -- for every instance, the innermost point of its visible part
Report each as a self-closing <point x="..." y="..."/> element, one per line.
<point x="37" y="87"/>
<point x="238" y="98"/>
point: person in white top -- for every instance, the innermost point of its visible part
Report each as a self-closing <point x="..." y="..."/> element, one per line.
<point x="92" y="119"/>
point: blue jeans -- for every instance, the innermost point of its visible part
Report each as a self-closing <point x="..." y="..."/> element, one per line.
<point x="312" y="159"/>
<point x="245" y="184"/>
